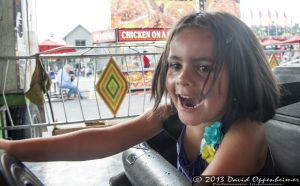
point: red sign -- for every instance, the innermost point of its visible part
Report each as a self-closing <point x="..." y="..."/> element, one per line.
<point x="147" y="34"/>
<point x="104" y="36"/>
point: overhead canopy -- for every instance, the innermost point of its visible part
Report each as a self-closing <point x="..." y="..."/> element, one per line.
<point x="294" y="39"/>
<point x="271" y="42"/>
<point x="49" y="44"/>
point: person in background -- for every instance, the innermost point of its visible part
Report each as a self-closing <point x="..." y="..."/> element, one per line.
<point x="72" y="75"/>
<point x="77" y="69"/>
<point x="146" y="60"/>
<point x="135" y="61"/>
<point x="82" y="71"/>
<point x="65" y="78"/>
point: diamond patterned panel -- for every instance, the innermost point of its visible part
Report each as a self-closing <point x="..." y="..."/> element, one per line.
<point x="112" y="86"/>
<point x="273" y="61"/>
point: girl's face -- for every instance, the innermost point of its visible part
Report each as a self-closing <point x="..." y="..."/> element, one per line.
<point x="190" y="60"/>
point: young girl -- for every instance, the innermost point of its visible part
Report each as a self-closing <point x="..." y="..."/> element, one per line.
<point x="222" y="90"/>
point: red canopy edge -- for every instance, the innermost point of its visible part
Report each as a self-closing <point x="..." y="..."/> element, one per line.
<point x="294" y="39"/>
<point x="52" y="45"/>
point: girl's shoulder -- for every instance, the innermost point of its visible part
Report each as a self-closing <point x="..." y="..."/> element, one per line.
<point x="246" y="133"/>
<point x="245" y="142"/>
<point x="243" y="147"/>
<point x="245" y="127"/>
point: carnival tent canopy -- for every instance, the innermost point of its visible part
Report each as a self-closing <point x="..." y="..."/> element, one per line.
<point x="294" y="39"/>
<point x="49" y="44"/>
<point x="271" y="42"/>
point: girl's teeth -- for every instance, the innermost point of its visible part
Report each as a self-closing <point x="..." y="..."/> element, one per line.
<point x="189" y="102"/>
<point x="186" y="97"/>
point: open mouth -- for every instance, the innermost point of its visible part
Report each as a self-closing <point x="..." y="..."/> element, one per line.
<point x="189" y="102"/>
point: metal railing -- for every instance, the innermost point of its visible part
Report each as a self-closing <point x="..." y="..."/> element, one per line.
<point x="58" y="110"/>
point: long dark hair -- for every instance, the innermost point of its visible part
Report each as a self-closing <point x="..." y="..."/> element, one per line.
<point x="253" y="89"/>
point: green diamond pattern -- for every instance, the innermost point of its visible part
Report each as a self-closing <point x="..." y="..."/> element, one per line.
<point x="112" y="86"/>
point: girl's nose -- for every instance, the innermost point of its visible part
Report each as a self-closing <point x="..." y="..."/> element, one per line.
<point x="185" y="78"/>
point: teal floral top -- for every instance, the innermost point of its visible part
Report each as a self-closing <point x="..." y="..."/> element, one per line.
<point x="211" y="140"/>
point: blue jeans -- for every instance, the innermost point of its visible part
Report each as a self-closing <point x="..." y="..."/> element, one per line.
<point x="72" y="89"/>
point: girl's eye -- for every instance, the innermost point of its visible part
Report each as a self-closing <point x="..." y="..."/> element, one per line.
<point x="174" y="66"/>
<point x="205" y="69"/>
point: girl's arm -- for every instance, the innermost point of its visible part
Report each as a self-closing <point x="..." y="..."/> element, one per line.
<point x="88" y="143"/>
<point x="243" y="150"/>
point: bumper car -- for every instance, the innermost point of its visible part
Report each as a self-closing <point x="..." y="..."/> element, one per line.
<point x="153" y="162"/>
